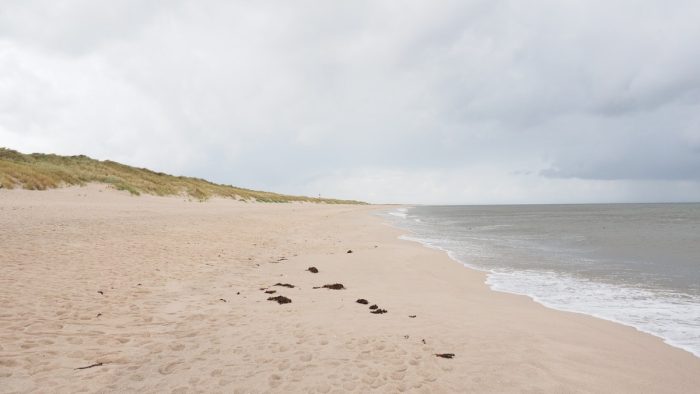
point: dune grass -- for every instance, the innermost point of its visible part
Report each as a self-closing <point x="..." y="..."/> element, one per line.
<point x="39" y="171"/>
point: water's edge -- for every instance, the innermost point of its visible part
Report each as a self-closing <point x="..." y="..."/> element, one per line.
<point x="412" y="237"/>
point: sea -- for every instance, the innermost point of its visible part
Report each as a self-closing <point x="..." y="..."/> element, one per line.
<point x="635" y="264"/>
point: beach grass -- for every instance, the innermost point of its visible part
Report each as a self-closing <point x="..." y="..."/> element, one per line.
<point x="38" y="171"/>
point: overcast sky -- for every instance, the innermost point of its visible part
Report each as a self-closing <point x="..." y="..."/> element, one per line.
<point x="384" y="101"/>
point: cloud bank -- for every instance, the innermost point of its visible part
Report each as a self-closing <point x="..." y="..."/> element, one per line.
<point x="387" y="101"/>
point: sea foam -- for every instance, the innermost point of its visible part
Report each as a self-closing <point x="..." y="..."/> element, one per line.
<point x="672" y="316"/>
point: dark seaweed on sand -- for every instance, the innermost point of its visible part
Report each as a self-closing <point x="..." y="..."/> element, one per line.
<point x="280" y="299"/>
<point x="334" y="286"/>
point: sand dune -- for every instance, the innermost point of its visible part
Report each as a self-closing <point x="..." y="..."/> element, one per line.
<point x="159" y="294"/>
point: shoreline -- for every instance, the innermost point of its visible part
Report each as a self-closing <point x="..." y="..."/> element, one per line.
<point x="407" y="236"/>
<point x="539" y="301"/>
<point x="412" y="237"/>
<point x="166" y="295"/>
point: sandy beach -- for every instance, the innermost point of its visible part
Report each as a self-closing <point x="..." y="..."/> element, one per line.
<point x="104" y="292"/>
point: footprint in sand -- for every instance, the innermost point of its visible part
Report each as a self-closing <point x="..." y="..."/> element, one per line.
<point x="368" y="380"/>
<point x="274" y="380"/>
<point x="28" y="345"/>
<point x="378" y="383"/>
<point x="76" y="354"/>
<point x="428" y="377"/>
<point x="398" y="375"/>
<point x="349" y="386"/>
<point x="306" y="357"/>
<point x="8" y="363"/>
<point x="167" y="369"/>
<point x="365" y="355"/>
<point x="225" y="382"/>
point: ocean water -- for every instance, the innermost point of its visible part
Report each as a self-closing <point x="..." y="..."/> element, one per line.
<point x="635" y="264"/>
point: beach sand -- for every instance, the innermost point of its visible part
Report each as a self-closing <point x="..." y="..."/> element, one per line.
<point x="161" y="294"/>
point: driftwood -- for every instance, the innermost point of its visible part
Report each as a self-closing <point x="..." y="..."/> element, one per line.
<point x="91" y="366"/>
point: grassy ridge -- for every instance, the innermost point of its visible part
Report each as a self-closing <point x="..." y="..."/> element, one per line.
<point x="39" y="171"/>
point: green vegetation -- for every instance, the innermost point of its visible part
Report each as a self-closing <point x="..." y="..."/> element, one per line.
<point x="39" y="171"/>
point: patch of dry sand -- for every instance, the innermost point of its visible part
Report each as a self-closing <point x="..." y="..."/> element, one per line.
<point x="167" y="295"/>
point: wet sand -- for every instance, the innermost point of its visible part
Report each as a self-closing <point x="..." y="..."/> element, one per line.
<point x="104" y="292"/>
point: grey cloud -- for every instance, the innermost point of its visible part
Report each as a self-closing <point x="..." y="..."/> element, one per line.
<point x="75" y="27"/>
<point x="285" y="96"/>
<point x="638" y="160"/>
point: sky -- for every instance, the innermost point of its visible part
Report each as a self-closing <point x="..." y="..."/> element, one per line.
<point x="418" y="102"/>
